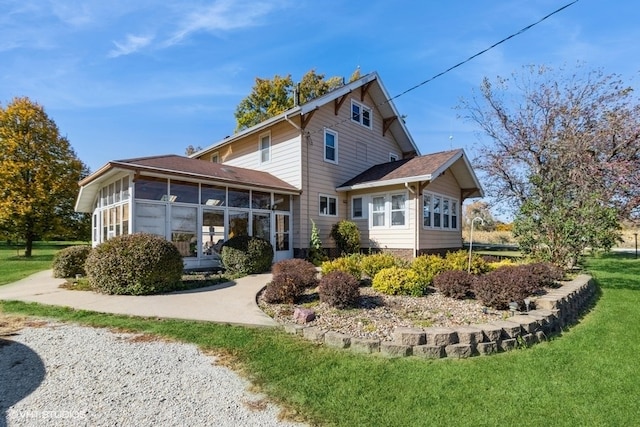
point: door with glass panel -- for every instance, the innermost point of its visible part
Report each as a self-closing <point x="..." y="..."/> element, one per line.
<point x="282" y="228"/>
<point x="213" y="232"/>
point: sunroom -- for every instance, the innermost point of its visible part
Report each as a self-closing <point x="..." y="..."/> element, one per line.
<point x="197" y="205"/>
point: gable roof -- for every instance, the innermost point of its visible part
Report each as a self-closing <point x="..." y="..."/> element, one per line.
<point x="378" y="93"/>
<point x="417" y="169"/>
<point x="181" y="167"/>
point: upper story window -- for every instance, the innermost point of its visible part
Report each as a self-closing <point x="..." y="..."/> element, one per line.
<point x="265" y="148"/>
<point x="215" y="158"/>
<point x="393" y="157"/>
<point x="439" y="212"/>
<point x="330" y="146"/>
<point x="361" y="114"/>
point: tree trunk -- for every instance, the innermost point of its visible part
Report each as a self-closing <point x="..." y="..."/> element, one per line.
<point x="28" y="248"/>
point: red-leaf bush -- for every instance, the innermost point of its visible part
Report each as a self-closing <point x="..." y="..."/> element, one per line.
<point x="303" y="272"/>
<point x="506" y="284"/>
<point x="548" y="274"/>
<point x="339" y="289"/>
<point x="454" y="283"/>
<point x="283" y="289"/>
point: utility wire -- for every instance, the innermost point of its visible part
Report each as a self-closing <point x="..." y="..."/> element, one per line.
<point x="465" y="61"/>
<point x="483" y="51"/>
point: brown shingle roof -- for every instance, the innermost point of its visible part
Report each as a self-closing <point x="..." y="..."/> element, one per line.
<point x="186" y="167"/>
<point x="416" y="167"/>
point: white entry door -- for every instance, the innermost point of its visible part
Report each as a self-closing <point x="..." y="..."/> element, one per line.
<point x="282" y="236"/>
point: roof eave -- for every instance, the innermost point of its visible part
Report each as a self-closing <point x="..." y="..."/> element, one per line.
<point x="385" y="183"/>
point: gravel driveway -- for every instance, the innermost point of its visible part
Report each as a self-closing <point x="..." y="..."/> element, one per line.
<point x="67" y="375"/>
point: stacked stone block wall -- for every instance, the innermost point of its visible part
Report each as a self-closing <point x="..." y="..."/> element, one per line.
<point x="553" y="312"/>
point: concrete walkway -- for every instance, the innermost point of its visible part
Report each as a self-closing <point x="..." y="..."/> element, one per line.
<point x="233" y="302"/>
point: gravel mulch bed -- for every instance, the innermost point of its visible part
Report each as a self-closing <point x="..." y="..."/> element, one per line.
<point x="377" y="315"/>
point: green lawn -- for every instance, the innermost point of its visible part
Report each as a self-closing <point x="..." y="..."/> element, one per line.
<point x="586" y="377"/>
<point x="14" y="266"/>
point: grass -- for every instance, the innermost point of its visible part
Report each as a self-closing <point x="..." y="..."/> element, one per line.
<point x="586" y="377"/>
<point x="14" y="266"/>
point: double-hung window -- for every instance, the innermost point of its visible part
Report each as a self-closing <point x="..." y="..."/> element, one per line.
<point x="330" y="146"/>
<point x="389" y="210"/>
<point x="357" y="208"/>
<point x="398" y="209"/>
<point x="328" y="205"/>
<point x="265" y="148"/>
<point x="378" y="211"/>
<point x="361" y="114"/>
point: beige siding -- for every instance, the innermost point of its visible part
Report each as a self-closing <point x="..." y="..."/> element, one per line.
<point x="445" y="185"/>
<point x="285" y="153"/>
<point x="359" y="148"/>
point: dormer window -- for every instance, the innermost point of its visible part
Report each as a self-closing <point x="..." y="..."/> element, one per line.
<point x="361" y="114"/>
<point x="215" y="158"/>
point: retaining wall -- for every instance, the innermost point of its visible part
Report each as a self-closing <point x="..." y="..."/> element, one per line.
<point x="554" y="311"/>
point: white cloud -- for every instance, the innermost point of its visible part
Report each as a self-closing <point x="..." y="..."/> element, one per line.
<point x="222" y="15"/>
<point x="131" y="45"/>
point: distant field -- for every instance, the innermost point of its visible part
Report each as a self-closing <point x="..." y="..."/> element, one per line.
<point x="506" y="238"/>
<point x="14" y="266"/>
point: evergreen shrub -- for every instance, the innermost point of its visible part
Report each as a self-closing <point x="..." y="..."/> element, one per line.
<point x="347" y="237"/>
<point x="135" y="264"/>
<point x="70" y="261"/>
<point x="242" y="255"/>
<point x="398" y="281"/>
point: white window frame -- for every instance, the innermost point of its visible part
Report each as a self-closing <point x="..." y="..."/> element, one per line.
<point x="360" y="116"/>
<point x="262" y="150"/>
<point x="363" y="207"/>
<point x="453" y="223"/>
<point x="215" y="157"/>
<point x="328" y="212"/>
<point x="388" y="210"/>
<point x="335" y="146"/>
<point x="393" y="157"/>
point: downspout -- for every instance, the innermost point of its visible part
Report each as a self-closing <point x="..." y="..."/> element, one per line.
<point x="416" y="224"/>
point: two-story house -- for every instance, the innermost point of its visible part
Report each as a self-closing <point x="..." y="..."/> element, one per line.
<point x="344" y="155"/>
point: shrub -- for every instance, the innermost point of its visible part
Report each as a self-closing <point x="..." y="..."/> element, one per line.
<point x="339" y="289"/>
<point x="282" y="289"/>
<point x="427" y="266"/>
<point x="246" y="255"/>
<point x="548" y="274"/>
<point x="349" y="264"/>
<point x="494" y="265"/>
<point x="504" y="285"/>
<point x="70" y="261"/>
<point x="347" y="237"/>
<point x="316" y="254"/>
<point x="135" y="264"/>
<point x="303" y="272"/>
<point x="398" y="281"/>
<point x="459" y="260"/>
<point x="454" y="283"/>
<point x="372" y="264"/>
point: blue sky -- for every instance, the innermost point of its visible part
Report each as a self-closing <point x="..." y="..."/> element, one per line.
<point x="129" y="78"/>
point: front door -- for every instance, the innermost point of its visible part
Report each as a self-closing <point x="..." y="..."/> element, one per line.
<point x="283" y="246"/>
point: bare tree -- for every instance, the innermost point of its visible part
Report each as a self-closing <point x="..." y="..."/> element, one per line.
<point x="563" y="149"/>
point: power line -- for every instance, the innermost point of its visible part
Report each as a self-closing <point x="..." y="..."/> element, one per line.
<point x="528" y="27"/>
<point x="482" y="51"/>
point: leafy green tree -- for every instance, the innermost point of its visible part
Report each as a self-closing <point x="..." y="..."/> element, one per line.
<point x="39" y="174"/>
<point x="563" y="151"/>
<point x="270" y="97"/>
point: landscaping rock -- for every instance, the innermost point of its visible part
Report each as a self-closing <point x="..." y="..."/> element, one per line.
<point x="485" y="348"/>
<point x="337" y="340"/>
<point x="469" y="335"/>
<point x="429" y="351"/>
<point x="363" y="345"/>
<point x="509" y="329"/>
<point x="459" y="351"/>
<point x="303" y="315"/>
<point x="441" y="336"/>
<point x="490" y="332"/>
<point x="313" y="333"/>
<point x="409" y="336"/>
<point x="294" y="329"/>
<point x="507" y="344"/>
<point x="528" y="323"/>
<point x="390" y="349"/>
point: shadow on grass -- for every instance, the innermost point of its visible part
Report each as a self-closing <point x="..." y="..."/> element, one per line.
<point x="615" y="271"/>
